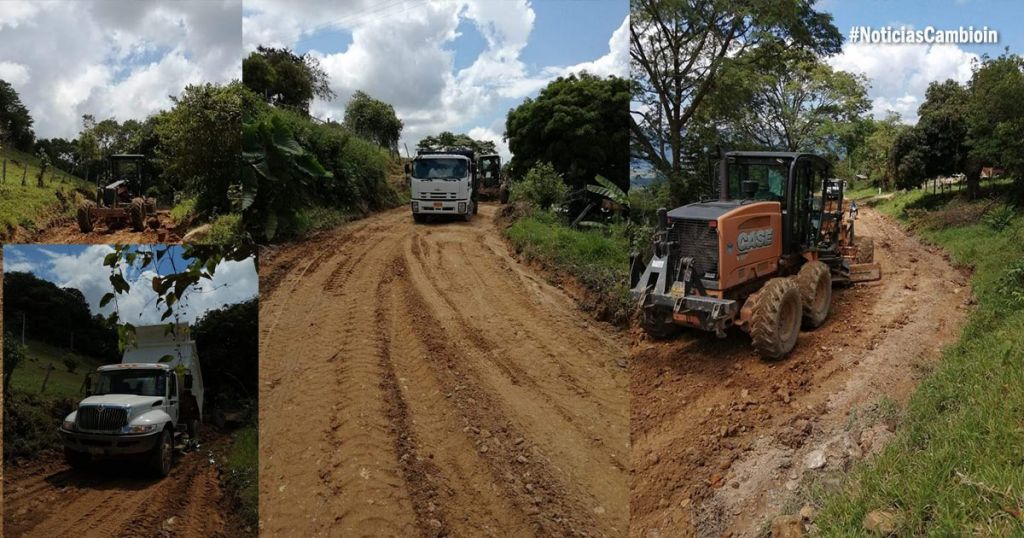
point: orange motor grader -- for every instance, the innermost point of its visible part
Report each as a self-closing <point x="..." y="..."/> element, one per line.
<point x="763" y="257"/>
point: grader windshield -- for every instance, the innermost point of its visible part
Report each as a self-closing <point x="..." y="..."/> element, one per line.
<point x="762" y="181"/>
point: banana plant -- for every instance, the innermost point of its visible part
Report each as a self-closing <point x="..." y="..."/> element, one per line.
<point x="609" y="190"/>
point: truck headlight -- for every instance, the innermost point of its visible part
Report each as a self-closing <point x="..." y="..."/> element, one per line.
<point x="415" y="207"/>
<point x="69" y="425"/>
<point x="462" y="207"/>
<point x="142" y="428"/>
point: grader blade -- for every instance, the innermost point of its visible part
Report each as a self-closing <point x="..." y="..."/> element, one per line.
<point x="865" y="272"/>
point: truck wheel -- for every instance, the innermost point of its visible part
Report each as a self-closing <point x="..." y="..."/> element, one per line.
<point x="420" y="218"/>
<point x="815" y="281"/>
<point x="775" y="318"/>
<point x="657" y="323"/>
<point x="76" y="459"/>
<point x="161" y="454"/>
<point x="137" y="213"/>
<point x="193" y="429"/>
<point x="84" y="214"/>
<point x="865" y="250"/>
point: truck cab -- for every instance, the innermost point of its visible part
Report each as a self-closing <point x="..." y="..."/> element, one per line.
<point x="144" y="407"/>
<point x="443" y="183"/>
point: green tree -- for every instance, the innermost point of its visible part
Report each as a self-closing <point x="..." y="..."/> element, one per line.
<point x="578" y="124"/>
<point x="15" y="120"/>
<point x="995" y="118"/>
<point x="373" y="120"/>
<point x="679" y="50"/>
<point x="797" y="104"/>
<point x="200" y="143"/>
<point x="542" y="187"/>
<point x="282" y="77"/>
<point x="14" y="354"/>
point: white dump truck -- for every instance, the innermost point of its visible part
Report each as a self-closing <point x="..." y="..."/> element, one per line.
<point x="145" y="407"/>
<point x="443" y="183"/>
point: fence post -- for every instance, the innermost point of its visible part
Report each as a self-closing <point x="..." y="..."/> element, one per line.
<point x="3" y="178"/>
<point x="24" y="174"/>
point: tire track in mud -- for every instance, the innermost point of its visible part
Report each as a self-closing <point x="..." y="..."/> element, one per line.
<point x="720" y="436"/>
<point x="48" y="498"/>
<point x="432" y="420"/>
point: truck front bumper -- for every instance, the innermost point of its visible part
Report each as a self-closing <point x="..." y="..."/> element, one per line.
<point x="109" y="444"/>
<point x="440" y="207"/>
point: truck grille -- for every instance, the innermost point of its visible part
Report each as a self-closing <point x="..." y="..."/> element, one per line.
<point x="102" y="418"/>
<point x="440" y="196"/>
<point x="695" y="239"/>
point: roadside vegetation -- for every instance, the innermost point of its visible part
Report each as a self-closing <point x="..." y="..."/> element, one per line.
<point x="568" y="181"/>
<point x="955" y="466"/>
<point x="312" y="174"/>
<point x="191" y="154"/>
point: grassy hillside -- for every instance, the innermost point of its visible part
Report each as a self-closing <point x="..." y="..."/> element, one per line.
<point x="956" y="467"/>
<point x="30" y="206"/>
<point x="28" y="376"/>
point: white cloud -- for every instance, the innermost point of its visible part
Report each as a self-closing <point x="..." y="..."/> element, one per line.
<point x="233" y="282"/>
<point x="900" y="74"/>
<point x="402" y="53"/>
<point x="14" y="73"/>
<point x="114" y="58"/>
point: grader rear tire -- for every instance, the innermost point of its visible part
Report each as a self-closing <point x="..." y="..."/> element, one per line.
<point x="775" y="318"/>
<point x="84" y="215"/>
<point x="137" y="213"/>
<point x="865" y="250"/>
<point x="815" y="281"/>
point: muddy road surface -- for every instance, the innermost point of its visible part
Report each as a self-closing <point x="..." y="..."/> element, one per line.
<point x="417" y="381"/>
<point x="47" y="498"/>
<point x="724" y="441"/>
<point x="160" y="229"/>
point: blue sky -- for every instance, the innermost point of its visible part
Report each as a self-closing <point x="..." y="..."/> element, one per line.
<point x="81" y="267"/>
<point x="457" y="65"/>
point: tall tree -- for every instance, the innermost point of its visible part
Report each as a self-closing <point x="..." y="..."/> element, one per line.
<point x="679" y="48"/>
<point x="995" y="118"/>
<point x="284" y="78"/>
<point x="796" y="104"/>
<point x="15" y="120"/>
<point x="374" y="120"/>
<point x="579" y="124"/>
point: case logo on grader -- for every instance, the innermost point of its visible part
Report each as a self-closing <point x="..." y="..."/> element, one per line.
<point x="747" y="241"/>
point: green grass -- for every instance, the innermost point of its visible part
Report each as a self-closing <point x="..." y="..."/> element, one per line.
<point x="28" y="376"/>
<point x="956" y="466"/>
<point x="30" y="206"/>
<point x="243" y="473"/>
<point x="597" y="258"/>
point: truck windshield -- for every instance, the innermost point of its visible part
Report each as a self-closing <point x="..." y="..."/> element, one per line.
<point x="439" y="168"/>
<point x="770" y="180"/>
<point x="138" y="382"/>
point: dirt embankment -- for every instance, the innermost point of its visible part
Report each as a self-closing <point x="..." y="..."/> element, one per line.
<point x="48" y="498"/>
<point x="723" y="441"/>
<point x="416" y="380"/>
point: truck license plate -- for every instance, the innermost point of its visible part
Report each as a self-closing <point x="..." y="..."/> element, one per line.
<point x="437" y="205"/>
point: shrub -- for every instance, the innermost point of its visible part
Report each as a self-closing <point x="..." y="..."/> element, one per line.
<point x="542" y="187"/>
<point x="1000" y="218"/>
<point x="71" y="363"/>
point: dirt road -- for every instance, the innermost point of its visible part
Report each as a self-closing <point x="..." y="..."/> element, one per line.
<point x="416" y="380"/>
<point x="65" y="231"/>
<point x="48" y="498"/>
<point x="723" y="441"/>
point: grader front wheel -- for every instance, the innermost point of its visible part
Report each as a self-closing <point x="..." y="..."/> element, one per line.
<point x="775" y="318"/>
<point x="137" y="213"/>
